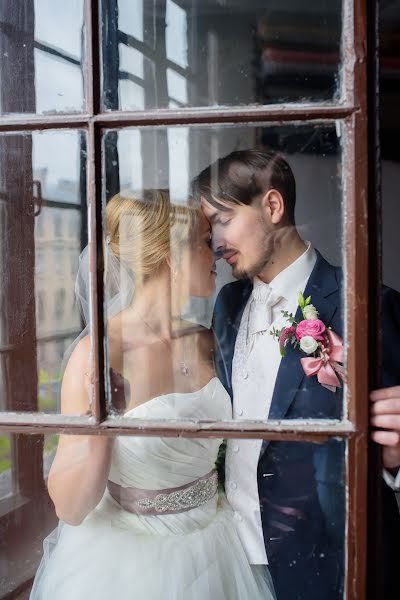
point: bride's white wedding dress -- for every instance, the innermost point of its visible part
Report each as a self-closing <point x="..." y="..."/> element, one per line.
<point x="192" y="554"/>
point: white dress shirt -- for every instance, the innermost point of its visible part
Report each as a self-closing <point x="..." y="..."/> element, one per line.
<point x="254" y="370"/>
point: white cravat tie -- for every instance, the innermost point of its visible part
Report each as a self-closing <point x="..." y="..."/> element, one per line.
<point x="264" y="298"/>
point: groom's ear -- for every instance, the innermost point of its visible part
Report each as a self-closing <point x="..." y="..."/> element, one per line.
<point x="273" y="206"/>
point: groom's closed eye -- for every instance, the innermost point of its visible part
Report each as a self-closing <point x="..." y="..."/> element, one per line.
<point x="219" y="217"/>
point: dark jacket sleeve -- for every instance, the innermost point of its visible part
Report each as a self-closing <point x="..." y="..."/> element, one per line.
<point x="390" y="337"/>
<point x="390" y="377"/>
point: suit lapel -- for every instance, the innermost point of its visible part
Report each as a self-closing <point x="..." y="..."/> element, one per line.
<point x="322" y="286"/>
<point x="244" y="296"/>
<point x="226" y="327"/>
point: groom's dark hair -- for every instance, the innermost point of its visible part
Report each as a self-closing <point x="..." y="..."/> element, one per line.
<point x="243" y="175"/>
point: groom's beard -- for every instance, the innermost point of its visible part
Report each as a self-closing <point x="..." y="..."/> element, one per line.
<point x="253" y="269"/>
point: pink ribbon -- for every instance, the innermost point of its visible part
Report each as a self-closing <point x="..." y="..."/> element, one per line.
<point x="327" y="366"/>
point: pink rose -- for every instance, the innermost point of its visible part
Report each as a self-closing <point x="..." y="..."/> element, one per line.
<point x="314" y="328"/>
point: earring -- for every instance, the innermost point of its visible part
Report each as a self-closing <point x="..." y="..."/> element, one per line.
<point x="174" y="274"/>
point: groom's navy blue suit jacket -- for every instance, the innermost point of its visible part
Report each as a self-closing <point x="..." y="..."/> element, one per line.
<point x="301" y="485"/>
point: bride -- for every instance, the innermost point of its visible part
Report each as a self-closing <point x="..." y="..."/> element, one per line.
<point x="141" y="518"/>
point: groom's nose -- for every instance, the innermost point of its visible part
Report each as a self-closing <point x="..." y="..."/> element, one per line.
<point x="217" y="244"/>
<point x="218" y="251"/>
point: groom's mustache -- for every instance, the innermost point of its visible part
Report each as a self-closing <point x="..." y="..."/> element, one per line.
<point x="223" y="252"/>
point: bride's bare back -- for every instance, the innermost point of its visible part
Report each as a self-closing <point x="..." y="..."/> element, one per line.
<point x="167" y="249"/>
<point x="153" y="367"/>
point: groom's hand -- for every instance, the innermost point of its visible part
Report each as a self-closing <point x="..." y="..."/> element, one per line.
<point x="385" y="414"/>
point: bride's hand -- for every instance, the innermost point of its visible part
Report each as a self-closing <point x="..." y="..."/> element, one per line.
<point x="385" y="414"/>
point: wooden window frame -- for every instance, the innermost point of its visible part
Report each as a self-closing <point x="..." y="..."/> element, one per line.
<point x="351" y="110"/>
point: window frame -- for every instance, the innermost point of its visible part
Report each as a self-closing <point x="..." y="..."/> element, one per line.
<point x="351" y="110"/>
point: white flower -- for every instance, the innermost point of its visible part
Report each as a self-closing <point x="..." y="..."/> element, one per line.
<point x="308" y="344"/>
<point x="310" y="312"/>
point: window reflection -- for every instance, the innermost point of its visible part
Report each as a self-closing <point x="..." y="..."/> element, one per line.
<point x="41" y="56"/>
<point x="36" y="258"/>
<point x="6" y="480"/>
<point x="169" y="160"/>
<point x="26" y="514"/>
<point x="220" y="53"/>
<point x="176" y="34"/>
<point x="292" y="505"/>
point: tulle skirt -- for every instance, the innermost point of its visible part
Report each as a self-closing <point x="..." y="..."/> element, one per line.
<point x="112" y="554"/>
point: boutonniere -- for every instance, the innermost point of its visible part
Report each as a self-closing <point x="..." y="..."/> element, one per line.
<point x="323" y="347"/>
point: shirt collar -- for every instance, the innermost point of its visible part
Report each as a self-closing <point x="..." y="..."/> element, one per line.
<point x="291" y="281"/>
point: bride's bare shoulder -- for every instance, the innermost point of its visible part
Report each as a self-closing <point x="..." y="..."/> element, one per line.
<point x="75" y="398"/>
<point x="80" y="356"/>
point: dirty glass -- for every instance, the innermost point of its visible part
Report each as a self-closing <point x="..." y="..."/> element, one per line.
<point x="176" y="54"/>
<point x="41" y="56"/>
<point x="213" y="511"/>
<point x="43" y="231"/>
<point x="186" y="244"/>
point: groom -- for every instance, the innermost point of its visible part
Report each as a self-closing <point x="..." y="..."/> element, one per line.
<point x="289" y="498"/>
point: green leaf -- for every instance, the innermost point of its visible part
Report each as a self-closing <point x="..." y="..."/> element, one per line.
<point x="308" y="300"/>
<point x="301" y="300"/>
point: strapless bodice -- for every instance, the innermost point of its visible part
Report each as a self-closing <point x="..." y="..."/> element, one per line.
<point x="116" y="554"/>
<point x="155" y="463"/>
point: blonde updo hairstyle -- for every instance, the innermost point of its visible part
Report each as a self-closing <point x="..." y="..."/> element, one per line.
<point x="144" y="232"/>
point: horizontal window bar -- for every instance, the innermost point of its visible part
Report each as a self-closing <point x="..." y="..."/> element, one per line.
<point x="188" y="116"/>
<point x="307" y="430"/>
<point x="44" y="339"/>
<point x="57" y="52"/>
<point x="184" y="116"/>
<point x="150" y="54"/>
<point x="30" y="122"/>
<point x="59" y="205"/>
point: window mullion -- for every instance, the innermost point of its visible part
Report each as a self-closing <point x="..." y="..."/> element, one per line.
<point x="94" y="196"/>
<point x="355" y="181"/>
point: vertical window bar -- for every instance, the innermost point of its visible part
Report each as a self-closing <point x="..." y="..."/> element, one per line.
<point x="96" y="262"/>
<point x="355" y="178"/>
<point x="349" y="49"/>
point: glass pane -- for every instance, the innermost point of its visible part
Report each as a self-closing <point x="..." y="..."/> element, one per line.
<point x="179" y="53"/>
<point x="164" y="272"/>
<point x="6" y="474"/>
<point x="41" y="56"/>
<point x="160" y="502"/>
<point x="26" y="511"/>
<point x="43" y="228"/>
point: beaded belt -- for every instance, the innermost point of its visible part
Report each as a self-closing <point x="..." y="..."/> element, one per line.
<point x="168" y="501"/>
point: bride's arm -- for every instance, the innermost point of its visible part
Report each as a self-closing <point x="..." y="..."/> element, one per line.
<point x="79" y="473"/>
